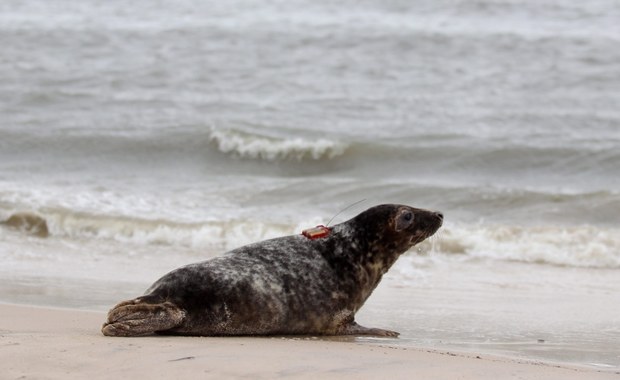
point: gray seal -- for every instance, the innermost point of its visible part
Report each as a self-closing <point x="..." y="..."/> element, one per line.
<point x="28" y="222"/>
<point x="290" y="285"/>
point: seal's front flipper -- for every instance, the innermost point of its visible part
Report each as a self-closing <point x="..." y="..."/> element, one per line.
<point x="355" y="329"/>
<point x="136" y="318"/>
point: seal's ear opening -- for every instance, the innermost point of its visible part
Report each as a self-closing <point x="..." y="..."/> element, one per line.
<point x="404" y="219"/>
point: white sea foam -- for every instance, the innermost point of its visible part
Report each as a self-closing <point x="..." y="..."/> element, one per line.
<point x="252" y="146"/>
<point x="582" y="246"/>
<point x="213" y="235"/>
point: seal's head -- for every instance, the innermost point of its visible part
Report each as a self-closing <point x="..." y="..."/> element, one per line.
<point x="374" y="240"/>
<point x="393" y="229"/>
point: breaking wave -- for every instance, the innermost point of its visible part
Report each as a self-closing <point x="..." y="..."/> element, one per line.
<point x="209" y="234"/>
<point x="577" y="246"/>
<point x="252" y="146"/>
<point x="582" y="246"/>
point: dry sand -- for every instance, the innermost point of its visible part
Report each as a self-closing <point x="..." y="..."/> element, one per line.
<point x="44" y="343"/>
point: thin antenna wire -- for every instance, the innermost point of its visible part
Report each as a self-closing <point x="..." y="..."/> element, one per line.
<point x="343" y="210"/>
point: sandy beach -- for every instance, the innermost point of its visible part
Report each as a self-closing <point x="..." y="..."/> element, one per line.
<point x="45" y="343"/>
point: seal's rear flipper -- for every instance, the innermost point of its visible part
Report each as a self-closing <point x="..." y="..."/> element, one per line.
<point x="136" y="318"/>
<point x="355" y="329"/>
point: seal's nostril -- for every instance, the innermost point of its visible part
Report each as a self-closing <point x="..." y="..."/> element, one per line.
<point x="439" y="215"/>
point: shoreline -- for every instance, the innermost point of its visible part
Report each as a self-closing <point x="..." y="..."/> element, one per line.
<point x="58" y="343"/>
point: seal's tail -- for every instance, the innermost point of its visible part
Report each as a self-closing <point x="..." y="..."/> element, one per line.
<point x="137" y="318"/>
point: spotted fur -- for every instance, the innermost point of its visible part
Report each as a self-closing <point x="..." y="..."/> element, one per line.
<point x="288" y="285"/>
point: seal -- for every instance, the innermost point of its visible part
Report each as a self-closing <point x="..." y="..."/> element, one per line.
<point x="28" y="222"/>
<point x="289" y="285"/>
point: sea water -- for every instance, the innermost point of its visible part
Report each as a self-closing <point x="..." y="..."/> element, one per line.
<point x="151" y="134"/>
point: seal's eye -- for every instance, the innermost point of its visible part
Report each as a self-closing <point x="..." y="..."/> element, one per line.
<point x="404" y="220"/>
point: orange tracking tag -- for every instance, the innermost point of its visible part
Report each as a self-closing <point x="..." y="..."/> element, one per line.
<point x="316" y="232"/>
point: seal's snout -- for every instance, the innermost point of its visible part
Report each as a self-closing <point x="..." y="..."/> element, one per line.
<point x="439" y="216"/>
<point x="438" y="220"/>
<point x="432" y="221"/>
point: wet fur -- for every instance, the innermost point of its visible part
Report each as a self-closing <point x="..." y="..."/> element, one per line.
<point x="288" y="285"/>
